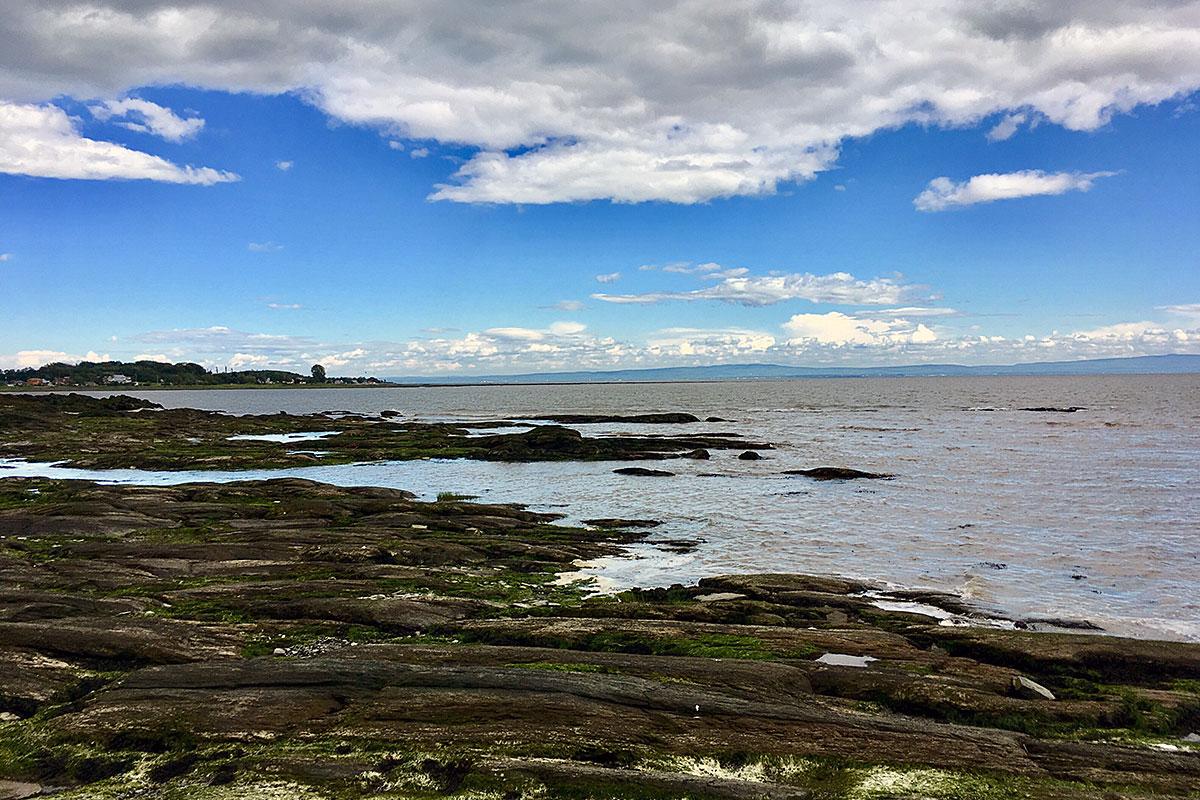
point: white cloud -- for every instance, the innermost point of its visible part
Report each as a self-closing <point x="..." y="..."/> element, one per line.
<point x="284" y="306"/>
<point x="912" y="311"/>
<point x="23" y="359"/>
<point x="740" y="287"/>
<point x="567" y="305"/>
<point x="692" y="101"/>
<point x="514" y="333"/>
<point x="943" y="193"/>
<point x="567" y="328"/>
<point x="161" y="358"/>
<point x="1007" y="127"/>
<point x="6" y="257"/>
<point x="136" y="114"/>
<point x="418" y="152"/>
<point x="1182" y="309"/>
<point x="839" y="329"/>
<point x="608" y="277"/>
<point x="284" y="166"/>
<point x="719" y="344"/>
<point x="248" y="360"/>
<point x="807" y="340"/>
<point x="264" y="247"/>
<point x="42" y="141"/>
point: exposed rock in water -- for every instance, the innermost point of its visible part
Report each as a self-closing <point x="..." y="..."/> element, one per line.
<point x="837" y="474"/>
<point x="699" y="454"/>
<point x="613" y="522"/>
<point x="673" y="418"/>
<point x="1055" y="409"/>
<point x="750" y="455"/>
<point x="389" y="413"/>
<point x="716" y="419"/>
<point x="643" y="471"/>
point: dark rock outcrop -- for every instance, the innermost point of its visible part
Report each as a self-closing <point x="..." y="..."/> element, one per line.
<point x="837" y="474"/>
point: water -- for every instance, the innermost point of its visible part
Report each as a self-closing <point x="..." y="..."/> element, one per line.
<point x="1088" y="515"/>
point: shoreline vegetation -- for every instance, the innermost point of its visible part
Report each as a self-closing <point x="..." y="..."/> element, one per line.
<point x="291" y="639"/>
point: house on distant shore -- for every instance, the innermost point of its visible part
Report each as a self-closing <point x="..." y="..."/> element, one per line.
<point x="37" y="382"/>
<point x="118" y="378"/>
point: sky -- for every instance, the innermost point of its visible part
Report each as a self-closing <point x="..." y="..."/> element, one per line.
<point x="412" y="187"/>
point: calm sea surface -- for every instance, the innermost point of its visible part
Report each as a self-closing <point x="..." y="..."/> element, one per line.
<point x="1091" y="515"/>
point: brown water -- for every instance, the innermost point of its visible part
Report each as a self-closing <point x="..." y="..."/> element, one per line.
<point x="1090" y="515"/>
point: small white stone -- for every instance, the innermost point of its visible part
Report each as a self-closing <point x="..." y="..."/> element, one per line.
<point x="279" y="651"/>
<point x="1030" y="690"/>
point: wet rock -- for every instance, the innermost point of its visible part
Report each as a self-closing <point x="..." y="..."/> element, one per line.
<point x="612" y="522"/>
<point x="643" y="472"/>
<point x="389" y="413"/>
<point x="837" y="474"/>
<point x="698" y="454"/>
<point x="1055" y="409"/>
<point x="750" y="455"/>
<point x="642" y="419"/>
<point x="716" y="419"/>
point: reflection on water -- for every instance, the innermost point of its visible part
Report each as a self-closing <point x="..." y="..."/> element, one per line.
<point x="1085" y="515"/>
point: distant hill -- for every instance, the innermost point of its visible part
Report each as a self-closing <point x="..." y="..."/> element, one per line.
<point x="734" y="372"/>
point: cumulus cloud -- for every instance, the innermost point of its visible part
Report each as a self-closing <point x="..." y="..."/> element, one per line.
<point x="608" y="277"/>
<point x="717" y="344"/>
<point x="23" y="359"/>
<point x="136" y="114"/>
<point x="42" y="141"/>
<point x="739" y="286"/>
<point x="697" y="100"/>
<point x="840" y="329"/>
<point x="943" y="193"/>
<point x="826" y="339"/>
<point x="284" y="166"/>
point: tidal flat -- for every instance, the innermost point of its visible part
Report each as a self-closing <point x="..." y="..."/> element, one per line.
<point x="289" y="638"/>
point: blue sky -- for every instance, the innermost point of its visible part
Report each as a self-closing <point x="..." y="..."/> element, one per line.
<point x="375" y="236"/>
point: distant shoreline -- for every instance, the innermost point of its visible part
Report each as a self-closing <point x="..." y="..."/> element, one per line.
<point x="644" y="382"/>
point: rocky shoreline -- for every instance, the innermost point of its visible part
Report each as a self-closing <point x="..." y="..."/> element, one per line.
<point x="126" y="432"/>
<point x="293" y="639"/>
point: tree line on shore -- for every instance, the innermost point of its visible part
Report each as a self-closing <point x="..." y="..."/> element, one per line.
<point x="104" y="373"/>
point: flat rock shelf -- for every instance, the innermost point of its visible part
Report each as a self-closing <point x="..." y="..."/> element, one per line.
<point x="287" y="638"/>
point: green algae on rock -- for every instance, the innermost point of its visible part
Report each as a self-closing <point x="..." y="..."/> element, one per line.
<point x="121" y="432"/>
<point x="292" y="639"/>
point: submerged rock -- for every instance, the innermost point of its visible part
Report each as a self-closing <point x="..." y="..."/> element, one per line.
<point x="837" y="474"/>
<point x="644" y="472"/>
